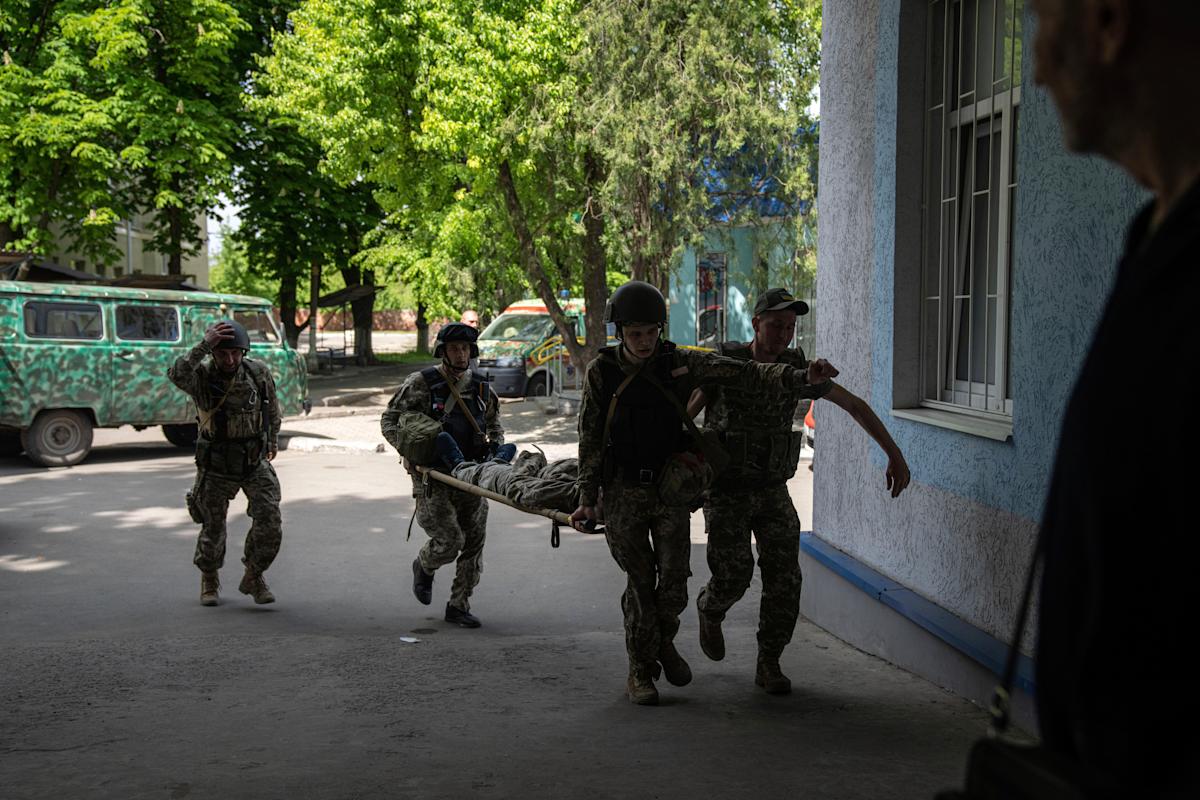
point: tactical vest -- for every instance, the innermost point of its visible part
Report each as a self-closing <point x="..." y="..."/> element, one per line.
<point x="645" y="428"/>
<point x="445" y="409"/>
<point x="233" y="432"/>
<point x="756" y="428"/>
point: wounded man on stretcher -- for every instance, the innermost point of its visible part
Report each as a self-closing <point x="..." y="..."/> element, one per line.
<point x="529" y="482"/>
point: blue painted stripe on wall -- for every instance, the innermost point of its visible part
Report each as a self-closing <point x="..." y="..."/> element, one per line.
<point x="972" y="642"/>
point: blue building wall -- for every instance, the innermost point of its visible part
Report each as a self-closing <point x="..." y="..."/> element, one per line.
<point x="962" y="533"/>
<point x="739" y="245"/>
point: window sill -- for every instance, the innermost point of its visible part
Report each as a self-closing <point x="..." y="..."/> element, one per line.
<point x="999" y="430"/>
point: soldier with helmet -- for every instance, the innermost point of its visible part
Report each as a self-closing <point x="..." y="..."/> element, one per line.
<point x="642" y="465"/>
<point x="238" y="419"/>
<point x="460" y="402"/>
<point x="751" y="494"/>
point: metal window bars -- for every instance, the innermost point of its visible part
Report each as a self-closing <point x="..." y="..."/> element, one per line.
<point x="973" y="93"/>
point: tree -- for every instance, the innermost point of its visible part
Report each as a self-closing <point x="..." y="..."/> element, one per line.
<point x="59" y="140"/>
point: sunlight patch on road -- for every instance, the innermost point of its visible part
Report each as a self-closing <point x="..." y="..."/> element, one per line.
<point x="60" y="528"/>
<point x="158" y="517"/>
<point x="15" y="563"/>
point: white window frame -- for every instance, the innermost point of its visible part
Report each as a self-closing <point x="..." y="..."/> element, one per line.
<point x="953" y="252"/>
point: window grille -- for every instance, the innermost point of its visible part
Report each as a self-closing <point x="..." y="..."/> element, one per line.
<point x="973" y="96"/>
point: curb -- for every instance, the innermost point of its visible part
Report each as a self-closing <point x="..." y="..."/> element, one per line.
<point x="312" y="444"/>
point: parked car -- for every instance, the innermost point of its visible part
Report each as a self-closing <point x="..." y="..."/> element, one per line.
<point x="508" y="346"/>
<point x="74" y="358"/>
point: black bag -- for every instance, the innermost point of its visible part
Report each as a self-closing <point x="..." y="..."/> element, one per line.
<point x="1003" y="770"/>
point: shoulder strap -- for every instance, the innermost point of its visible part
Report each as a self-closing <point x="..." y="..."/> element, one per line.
<point x="461" y="404"/>
<point x="1002" y="696"/>
<point x="612" y="403"/>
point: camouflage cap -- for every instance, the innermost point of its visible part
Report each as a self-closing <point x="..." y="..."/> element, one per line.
<point x="779" y="300"/>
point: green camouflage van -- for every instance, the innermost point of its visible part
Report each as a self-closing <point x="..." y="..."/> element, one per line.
<point x="74" y="358"/>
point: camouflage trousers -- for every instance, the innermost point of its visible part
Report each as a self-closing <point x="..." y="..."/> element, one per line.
<point x="213" y="491"/>
<point x="456" y="523"/>
<point x="729" y="519"/>
<point x="651" y="544"/>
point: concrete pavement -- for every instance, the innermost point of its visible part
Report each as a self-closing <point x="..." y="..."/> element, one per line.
<point x="117" y="683"/>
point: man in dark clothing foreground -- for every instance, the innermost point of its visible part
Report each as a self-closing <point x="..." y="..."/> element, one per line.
<point x="1115" y="679"/>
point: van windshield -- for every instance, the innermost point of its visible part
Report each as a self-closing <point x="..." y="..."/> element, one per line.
<point x="519" y="327"/>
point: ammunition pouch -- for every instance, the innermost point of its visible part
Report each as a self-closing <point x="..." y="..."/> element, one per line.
<point x="230" y="456"/>
<point x="762" y="456"/>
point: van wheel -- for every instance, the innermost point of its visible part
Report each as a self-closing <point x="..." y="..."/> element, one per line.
<point x="10" y="444"/>
<point x="539" y="385"/>
<point x="182" y="435"/>
<point x="58" y="438"/>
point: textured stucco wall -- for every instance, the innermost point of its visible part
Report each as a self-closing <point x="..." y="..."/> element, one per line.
<point x="962" y="533"/>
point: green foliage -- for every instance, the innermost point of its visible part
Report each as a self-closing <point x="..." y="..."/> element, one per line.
<point x="231" y="271"/>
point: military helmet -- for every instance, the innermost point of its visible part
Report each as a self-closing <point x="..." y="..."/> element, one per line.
<point x="636" y="302"/>
<point x="456" y="332"/>
<point x="240" y="340"/>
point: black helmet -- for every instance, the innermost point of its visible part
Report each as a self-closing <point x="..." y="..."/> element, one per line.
<point x="240" y="340"/>
<point x="636" y="302"/>
<point x="456" y="332"/>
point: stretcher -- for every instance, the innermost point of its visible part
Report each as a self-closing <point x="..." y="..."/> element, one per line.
<point x="557" y="518"/>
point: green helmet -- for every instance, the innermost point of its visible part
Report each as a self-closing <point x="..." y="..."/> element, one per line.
<point x="636" y="302"/>
<point x="240" y="340"/>
<point x="456" y="332"/>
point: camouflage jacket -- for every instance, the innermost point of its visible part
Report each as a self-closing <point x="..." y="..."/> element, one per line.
<point x="763" y="419"/>
<point x="229" y="407"/>
<point x="697" y="367"/>
<point x="414" y="397"/>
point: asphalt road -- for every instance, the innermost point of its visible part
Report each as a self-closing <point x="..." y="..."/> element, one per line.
<point x="117" y="683"/>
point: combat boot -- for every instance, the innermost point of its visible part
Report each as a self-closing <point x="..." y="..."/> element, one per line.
<point x="254" y="585"/>
<point x="209" y="584"/>
<point x="463" y="619"/>
<point x="712" y="641"/>
<point x="422" y="583"/>
<point x="640" y="686"/>
<point x="674" y="667"/>
<point x="770" y="677"/>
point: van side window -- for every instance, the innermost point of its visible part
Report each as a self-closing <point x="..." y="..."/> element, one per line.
<point x="147" y="324"/>
<point x="48" y="320"/>
<point x="260" y="326"/>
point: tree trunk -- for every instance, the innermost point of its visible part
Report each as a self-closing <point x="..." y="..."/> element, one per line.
<point x="361" y="312"/>
<point x="314" y="293"/>
<point x="595" y="265"/>
<point x="422" y="330"/>
<point x="287" y="310"/>
<point x="534" y="268"/>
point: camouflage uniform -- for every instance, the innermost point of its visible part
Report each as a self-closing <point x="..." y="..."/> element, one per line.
<point x="752" y="495"/>
<point x="528" y="482"/>
<point x="231" y="455"/>
<point x="648" y="540"/>
<point x="455" y="521"/>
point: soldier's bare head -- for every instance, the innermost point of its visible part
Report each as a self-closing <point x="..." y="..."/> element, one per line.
<point x="640" y="338"/>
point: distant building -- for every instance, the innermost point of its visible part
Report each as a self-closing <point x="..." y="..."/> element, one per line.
<point x="135" y="256"/>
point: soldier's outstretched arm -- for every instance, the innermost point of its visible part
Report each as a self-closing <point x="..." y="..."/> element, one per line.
<point x="411" y="398"/>
<point x="271" y="407"/>
<point x="712" y="369"/>
<point x="897" y="473"/>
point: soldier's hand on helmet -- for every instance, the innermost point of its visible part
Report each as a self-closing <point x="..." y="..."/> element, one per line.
<point x="820" y="370"/>
<point x="221" y="332"/>
<point x="584" y="517"/>
<point x="897" y="474"/>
